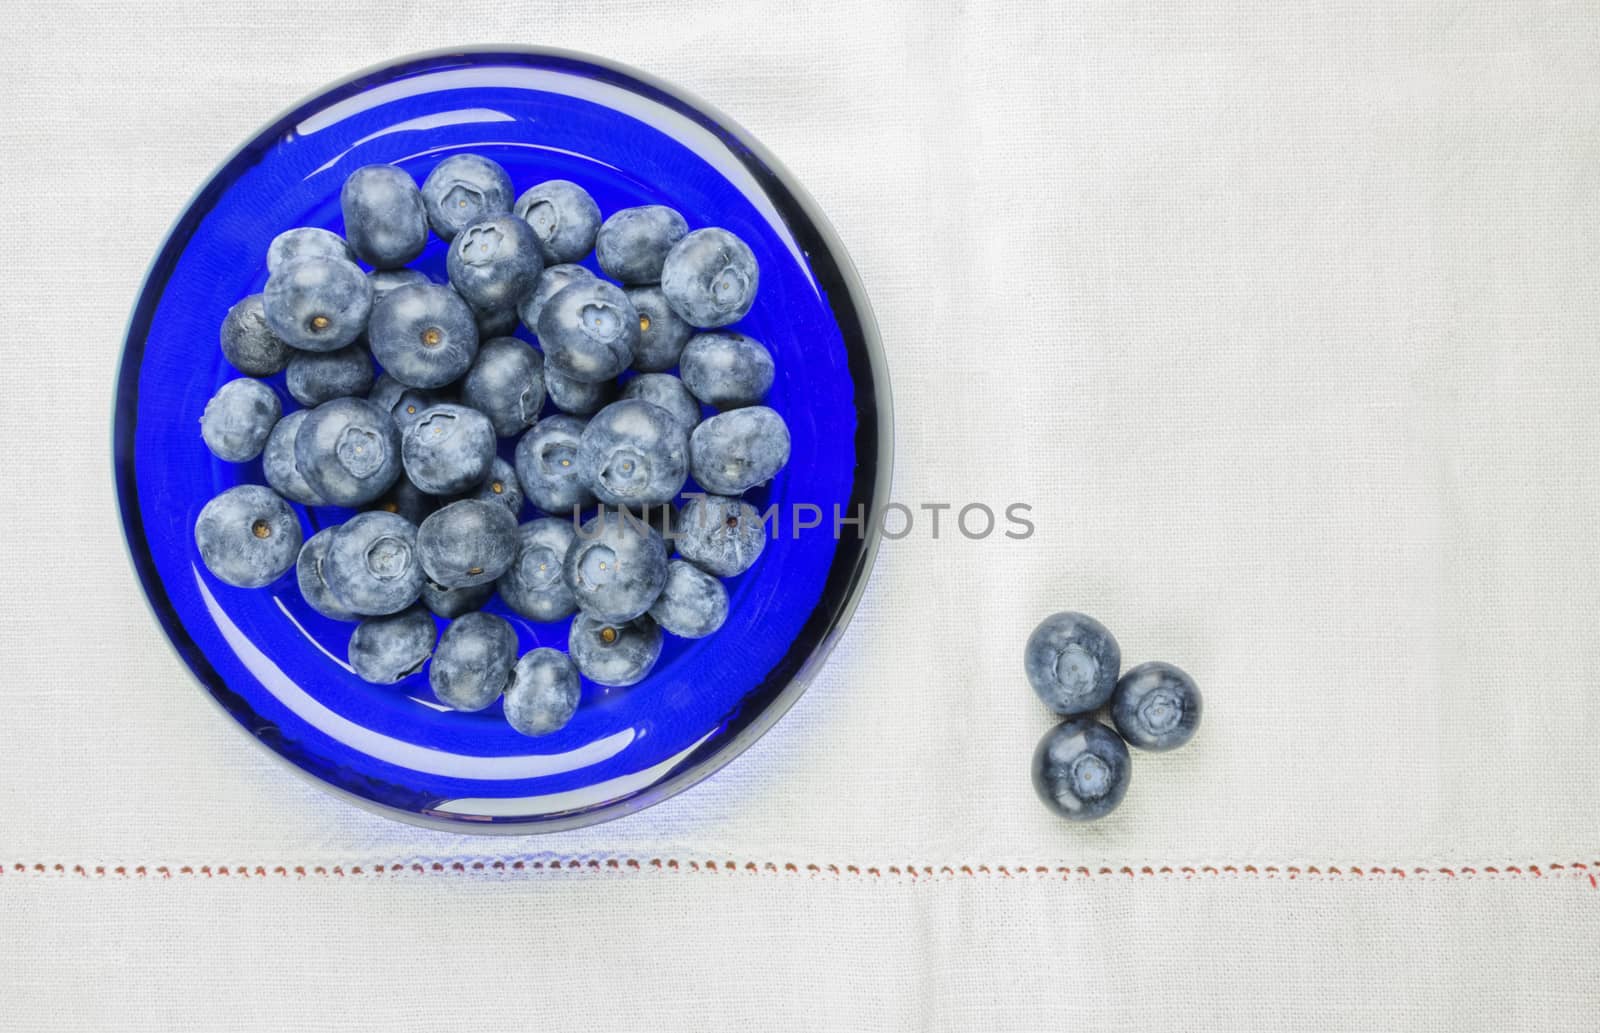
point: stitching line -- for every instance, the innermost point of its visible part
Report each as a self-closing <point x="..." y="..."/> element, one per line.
<point x="1585" y="871"/>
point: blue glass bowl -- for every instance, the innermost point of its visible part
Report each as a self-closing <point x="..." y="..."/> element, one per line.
<point x="279" y="668"/>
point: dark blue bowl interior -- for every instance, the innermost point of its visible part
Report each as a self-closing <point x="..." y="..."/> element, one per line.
<point x="279" y="668"/>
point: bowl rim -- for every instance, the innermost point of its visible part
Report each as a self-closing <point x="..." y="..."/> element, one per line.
<point x="770" y="173"/>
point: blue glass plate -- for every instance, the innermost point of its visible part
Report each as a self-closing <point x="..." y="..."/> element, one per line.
<point x="279" y="668"/>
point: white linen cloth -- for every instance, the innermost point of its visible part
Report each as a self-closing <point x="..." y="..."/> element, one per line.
<point x="1284" y="320"/>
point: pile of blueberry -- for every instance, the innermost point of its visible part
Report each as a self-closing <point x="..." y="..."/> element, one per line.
<point x="1081" y="768"/>
<point x="415" y="448"/>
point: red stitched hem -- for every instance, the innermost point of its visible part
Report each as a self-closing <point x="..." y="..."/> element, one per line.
<point x="1586" y="871"/>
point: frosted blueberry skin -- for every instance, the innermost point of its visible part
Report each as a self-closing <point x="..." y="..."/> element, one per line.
<point x="348" y="451"/>
<point x="386" y="391"/>
<point x="469" y="542"/>
<point x="576" y="397"/>
<point x="412" y="403"/>
<point x="533" y="585"/>
<point x="317" y="377"/>
<point x="318" y="304"/>
<point x="248" y="341"/>
<point x="693" y="604"/>
<point x="387" y="281"/>
<point x="1072" y="662"/>
<point x="545" y="287"/>
<point x="633" y="453"/>
<point x="727" y="370"/>
<point x="668" y="392"/>
<point x="463" y="189"/>
<point x="384" y="218"/>
<point x="495" y="262"/>
<point x="710" y="278"/>
<point x="495" y="322"/>
<point x="506" y="384"/>
<point x="732" y="452"/>
<point x="384" y="650"/>
<point x="1081" y="769"/>
<point x="472" y="664"/>
<point x="588" y="330"/>
<point x="662" y="332"/>
<point x="305" y="242"/>
<point x="564" y="218"/>
<point x="313" y="582"/>
<point x="614" y="653"/>
<point x="279" y="465"/>
<point x="423" y="335"/>
<point x="448" y="449"/>
<point x="248" y="536"/>
<point x="547" y="465"/>
<point x="543" y="694"/>
<point x="501" y="486"/>
<point x="407" y="500"/>
<point x="239" y="419"/>
<point x="1156" y="706"/>
<point x="616" y="566"/>
<point x="451" y="603"/>
<point x="372" y="566"/>
<point x="720" y="535"/>
<point x="633" y="243"/>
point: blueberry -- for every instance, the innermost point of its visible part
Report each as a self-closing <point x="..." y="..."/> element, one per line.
<point x="547" y="465"/>
<point x="423" y="335"/>
<point x="662" y="332"/>
<point x="633" y="243"/>
<point x="407" y="500"/>
<point x="384" y="650"/>
<point x="1156" y="706"/>
<point x="1081" y="769"/>
<point x="469" y="542"/>
<point x="549" y="283"/>
<point x="616" y="566"/>
<point x="498" y="322"/>
<point x="668" y="392"/>
<point x="726" y="369"/>
<point x="543" y="694"/>
<point x="501" y="486"/>
<point x="317" y="377"/>
<point x="451" y="603"/>
<point x="577" y="397"/>
<point x="693" y="604"/>
<point x="495" y="262"/>
<point x="588" y="330"/>
<point x="710" y="278"/>
<point x="384" y="218"/>
<point x="314" y="582"/>
<point x="318" y="304"/>
<point x="506" y="384"/>
<point x="348" y="451"/>
<point x="720" y="535"/>
<point x="473" y="663"/>
<point x="634" y="453"/>
<point x="733" y="452"/>
<point x="281" y="468"/>
<point x="239" y="418"/>
<point x="412" y="403"/>
<point x="247" y="536"/>
<point x="248" y="341"/>
<point x="1072" y="662"/>
<point x="386" y="281"/>
<point x="533" y="585"/>
<point x="305" y="242"/>
<point x="612" y="652"/>
<point x="448" y="449"/>
<point x="563" y="216"/>
<point x="463" y="189"/>
<point x="372" y="565"/>
<point x="386" y="391"/>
